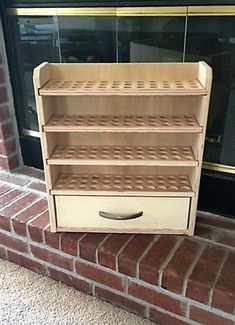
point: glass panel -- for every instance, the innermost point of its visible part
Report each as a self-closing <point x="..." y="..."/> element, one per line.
<point x="35" y="40"/>
<point x="150" y="39"/>
<point x="212" y="39"/>
<point x="87" y="39"/>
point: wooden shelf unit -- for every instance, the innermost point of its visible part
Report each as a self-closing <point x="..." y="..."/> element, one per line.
<point x="123" y="154"/>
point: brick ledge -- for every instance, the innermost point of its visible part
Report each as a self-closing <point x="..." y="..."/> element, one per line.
<point x="168" y="279"/>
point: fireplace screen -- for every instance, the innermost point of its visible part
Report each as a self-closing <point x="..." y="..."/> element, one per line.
<point x="132" y="38"/>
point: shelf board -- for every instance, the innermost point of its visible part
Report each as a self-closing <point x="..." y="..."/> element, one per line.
<point x="123" y="156"/>
<point x="123" y="123"/>
<point x="124" y="87"/>
<point x="122" y="185"/>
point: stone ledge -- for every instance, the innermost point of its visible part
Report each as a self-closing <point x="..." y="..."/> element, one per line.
<point x="168" y="279"/>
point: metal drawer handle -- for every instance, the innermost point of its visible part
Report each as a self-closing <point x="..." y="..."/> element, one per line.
<point x="119" y="216"/>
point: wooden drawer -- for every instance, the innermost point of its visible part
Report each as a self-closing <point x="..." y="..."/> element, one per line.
<point x="82" y="213"/>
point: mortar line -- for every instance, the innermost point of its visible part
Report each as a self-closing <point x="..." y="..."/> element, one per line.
<point x="121" y="249"/>
<point x="191" y="268"/>
<point x="167" y="259"/>
<point x="147" y="249"/>
<point x="217" y="277"/>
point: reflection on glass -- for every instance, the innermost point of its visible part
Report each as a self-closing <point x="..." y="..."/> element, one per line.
<point x="87" y="39"/>
<point x="212" y="39"/>
<point x="35" y="41"/>
<point x="150" y="39"/>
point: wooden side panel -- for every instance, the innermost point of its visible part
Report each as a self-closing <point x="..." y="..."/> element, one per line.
<point x="205" y="77"/>
<point x="82" y="213"/>
<point x="40" y="77"/>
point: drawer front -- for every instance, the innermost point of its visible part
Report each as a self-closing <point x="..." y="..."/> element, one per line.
<point x="83" y="213"/>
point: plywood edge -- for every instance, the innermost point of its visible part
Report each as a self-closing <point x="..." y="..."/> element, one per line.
<point x="201" y="92"/>
<point x="128" y="230"/>
<point x="205" y="75"/>
<point x="84" y="162"/>
<point x="41" y="74"/>
<point x="121" y="193"/>
<point x="57" y="128"/>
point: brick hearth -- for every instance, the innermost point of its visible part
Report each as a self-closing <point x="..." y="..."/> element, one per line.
<point x="168" y="279"/>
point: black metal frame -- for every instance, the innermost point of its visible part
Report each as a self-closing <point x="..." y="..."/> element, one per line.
<point x="112" y="3"/>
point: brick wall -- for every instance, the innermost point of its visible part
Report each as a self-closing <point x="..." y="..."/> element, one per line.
<point x="172" y="280"/>
<point x="9" y="144"/>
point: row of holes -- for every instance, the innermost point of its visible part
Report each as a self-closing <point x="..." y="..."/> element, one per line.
<point x="124" y="121"/>
<point x="126" y="153"/>
<point x="121" y="84"/>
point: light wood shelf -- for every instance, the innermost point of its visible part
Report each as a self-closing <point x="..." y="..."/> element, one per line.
<point x="123" y="87"/>
<point x="109" y="184"/>
<point x="123" y="123"/>
<point x="123" y="144"/>
<point x="123" y="155"/>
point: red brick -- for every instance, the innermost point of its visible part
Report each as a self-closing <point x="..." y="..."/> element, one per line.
<point x="208" y="318"/>
<point x="204" y="274"/>
<point x="108" y="251"/>
<point x="215" y="234"/>
<point x="70" y="280"/>
<point x="19" y="221"/>
<point x="6" y="130"/>
<point x="100" y="276"/>
<point x="5" y="223"/>
<point x="3" y="94"/>
<point x="2" y="77"/>
<point x="36" y="226"/>
<point x="120" y="301"/>
<point x="4" y="163"/>
<point x="3" y="253"/>
<point x="164" y="319"/>
<point x="16" y="206"/>
<point x="52" y="258"/>
<point x="156" y="298"/>
<point x="41" y="187"/>
<point x="9" y="197"/>
<point x="4" y="113"/>
<point x="14" y="243"/>
<point x="26" y="262"/>
<point x="4" y="189"/>
<point x="31" y="172"/>
<point x="226" y="239"/>
<point x="69" y="242"/>
<point x="13" y="179"/>
<point x="129" y="257"/>
<point x="176" y="270"/>
<point x="52" y="239"/>
<point x="224" y="291"/>
<point x="150" y="264"/>
<point x="12" y="162"/>
<point x="7" y="147"/>
<point x="88" y="246"/>
<point x="205" y="231"/>
<point x="220" y="222"/>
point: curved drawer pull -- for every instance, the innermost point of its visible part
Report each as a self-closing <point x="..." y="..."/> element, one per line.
<point x="120" y="216"/>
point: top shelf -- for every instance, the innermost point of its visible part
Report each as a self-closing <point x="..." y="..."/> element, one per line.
<point x="124" y="87"/>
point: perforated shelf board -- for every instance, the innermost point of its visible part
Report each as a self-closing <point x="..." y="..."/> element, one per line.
<point x="124" y="87"/>
<point x="138" y="185"/>
<point x="123" y="155"/>
<point x="123" y="123"/>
